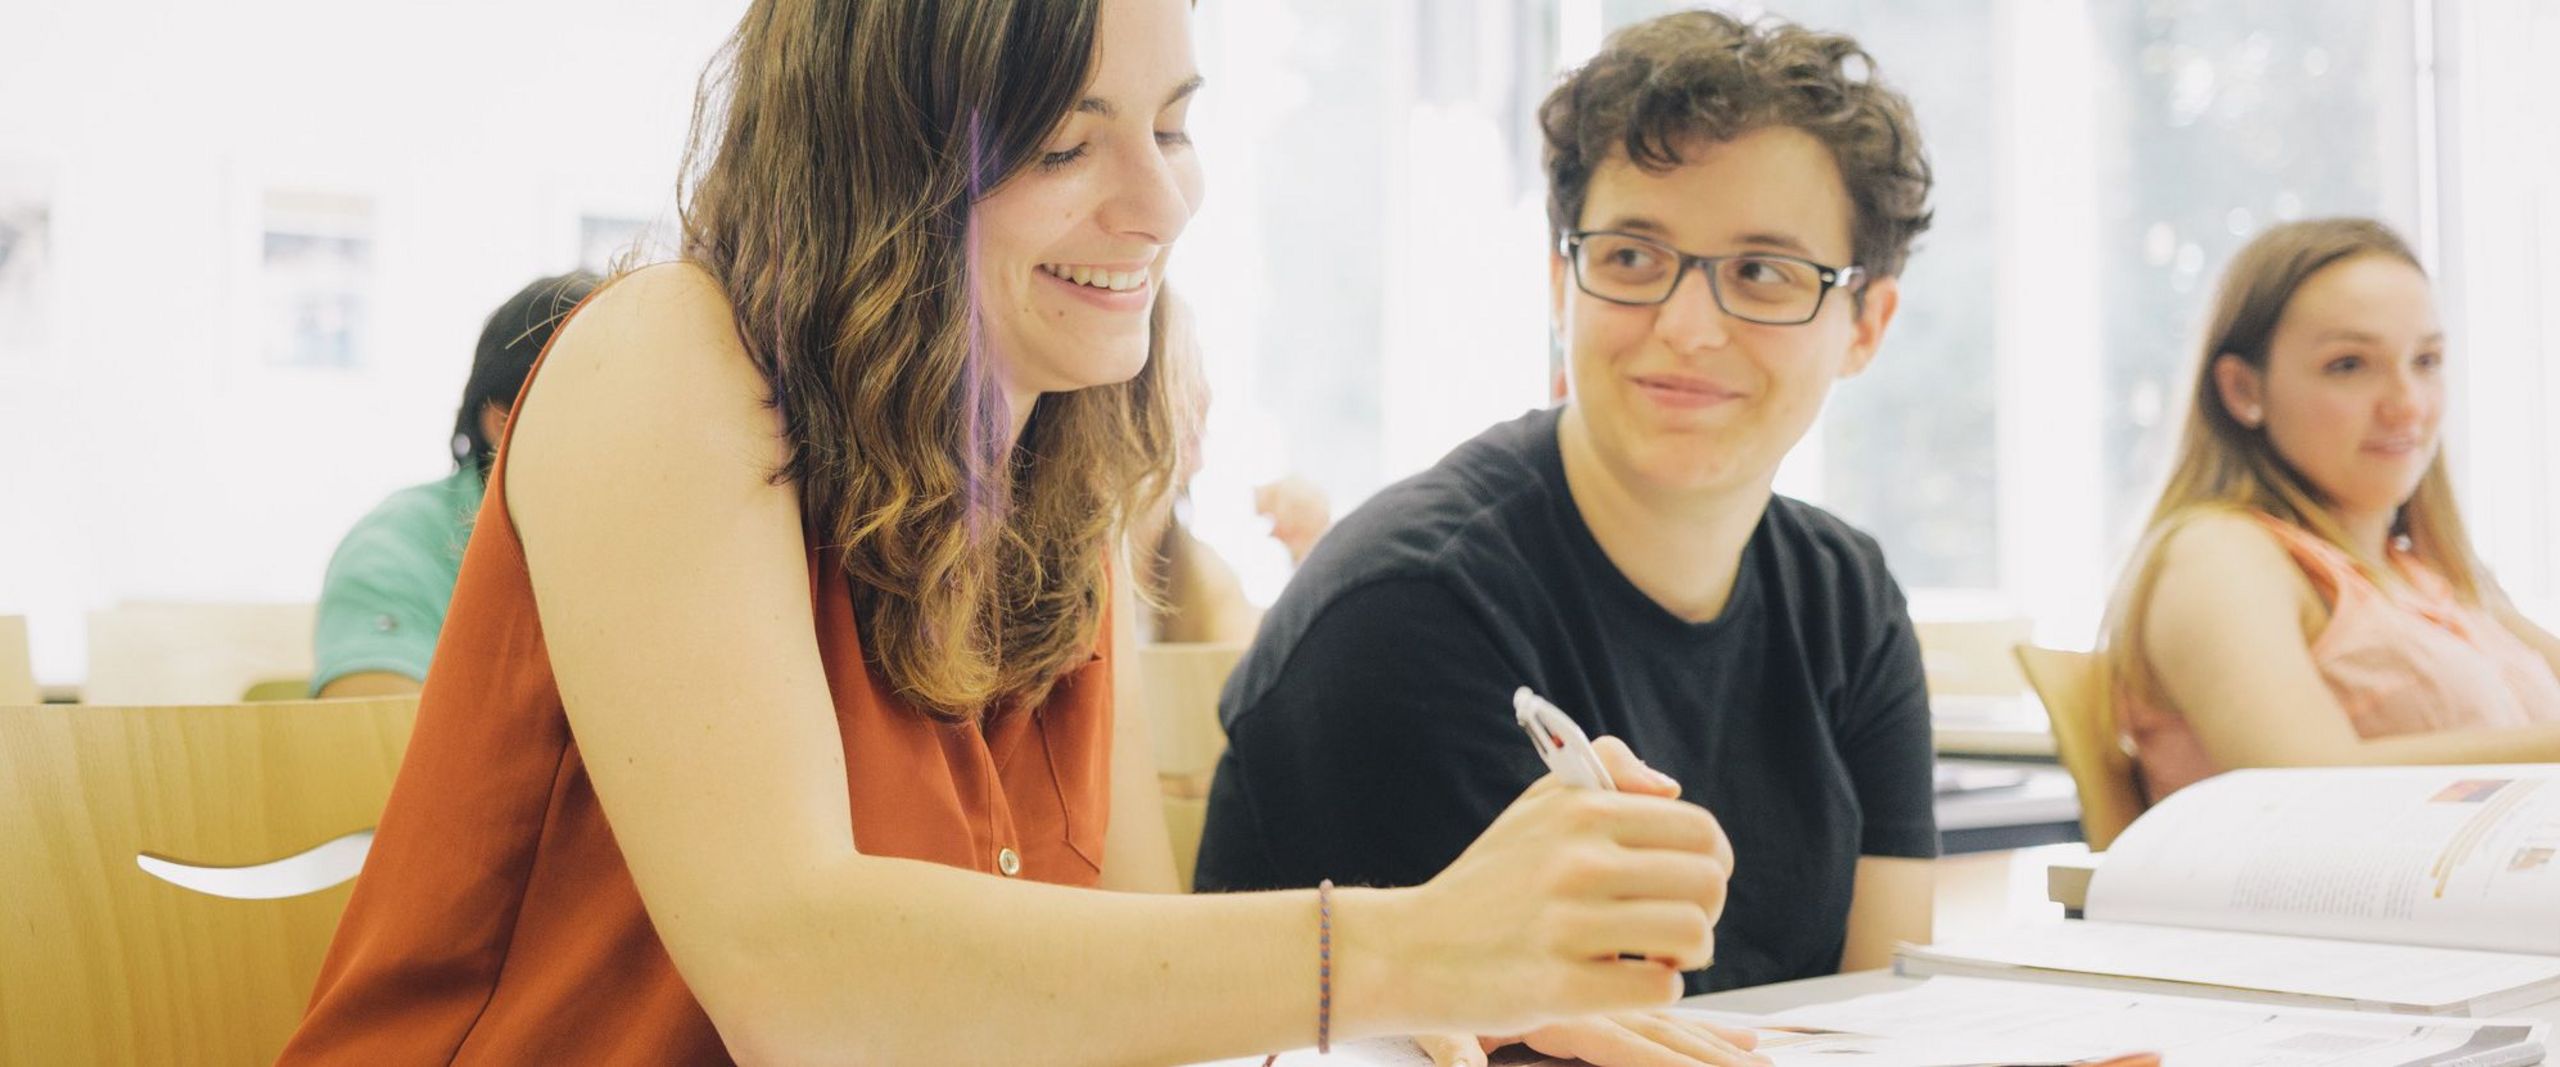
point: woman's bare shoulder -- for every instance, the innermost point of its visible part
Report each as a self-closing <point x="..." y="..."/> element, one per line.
<point x="652" y="376"/>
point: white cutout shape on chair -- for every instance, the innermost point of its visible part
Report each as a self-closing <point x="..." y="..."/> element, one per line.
<point x="311" y="871"/>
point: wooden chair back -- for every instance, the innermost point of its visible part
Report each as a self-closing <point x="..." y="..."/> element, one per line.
<point x="2073" y="686"/>
<point x="104" y="961"/>
<point x="1180" y="684"/>
<point x="17" y="666"/>
<point x="159" y="654"/>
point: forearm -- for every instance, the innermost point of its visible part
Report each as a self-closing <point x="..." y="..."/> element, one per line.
<point x="2528" y="744"/>
<point x="1893" y="901"/>
<point x="898" y="961"/>
<point x="2532" y="634"/>
<point x="1137" y="854"/>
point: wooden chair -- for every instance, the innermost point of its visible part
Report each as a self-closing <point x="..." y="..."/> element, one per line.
<point x="160" y="654"/>
<point x="103" y="962"/>
<point x="1180" y="684"/>
<point x="1970" y="658"/>
<point x="17" y="667"/>
<point x="2074" y="688"/>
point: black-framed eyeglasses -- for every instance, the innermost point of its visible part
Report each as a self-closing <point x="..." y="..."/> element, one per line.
<point x="1761" y="287"/>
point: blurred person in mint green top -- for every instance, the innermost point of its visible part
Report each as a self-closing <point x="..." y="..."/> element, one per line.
<point x="383" y="600"/>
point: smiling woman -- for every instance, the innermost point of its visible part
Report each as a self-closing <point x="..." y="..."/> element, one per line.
<point x="2306" y="592"/>
<point x="919" y="490"/>
<point x="1071" y="251"/>
<point x="779" y="713"/>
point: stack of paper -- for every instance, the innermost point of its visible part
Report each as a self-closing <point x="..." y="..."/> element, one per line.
<point x="1968" y="1022"/>
<point x="1963" y="1022"/>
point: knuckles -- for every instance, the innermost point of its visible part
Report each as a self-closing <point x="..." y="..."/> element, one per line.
<point x="1581" y="871"/>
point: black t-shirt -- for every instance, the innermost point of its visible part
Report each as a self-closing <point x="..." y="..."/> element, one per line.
<point x="1370" y="728"/>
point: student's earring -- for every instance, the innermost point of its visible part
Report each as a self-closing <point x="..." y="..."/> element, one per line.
<point x="2249" y="417"/>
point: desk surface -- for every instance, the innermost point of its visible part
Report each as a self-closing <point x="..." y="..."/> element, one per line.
<point x="2041" y="807"/>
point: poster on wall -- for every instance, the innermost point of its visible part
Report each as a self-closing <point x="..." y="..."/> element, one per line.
<point x="316" y="272"/>
<point x="606" y="242"/>
<point x="26" y="263"/>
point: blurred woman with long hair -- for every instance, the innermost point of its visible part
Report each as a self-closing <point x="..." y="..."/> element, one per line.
<point x="2305" y="592"/>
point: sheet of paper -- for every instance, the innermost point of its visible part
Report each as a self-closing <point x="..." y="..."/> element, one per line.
<point x="2459" y="857"/>
<point x="1963" y="1022"/>
<point x="2364" y="972"/>
<point x="1949" y="1021"/>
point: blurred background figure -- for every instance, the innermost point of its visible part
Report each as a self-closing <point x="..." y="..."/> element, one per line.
<point x="1194" y="595"/>
<point x="2308" y="592"/>
<point x="384" y="598"/>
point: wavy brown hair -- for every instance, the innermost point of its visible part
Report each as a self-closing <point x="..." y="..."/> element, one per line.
<point x="838" y="149"/>
<point x="2224" y="464"/>
<point x="1695" y="78"/>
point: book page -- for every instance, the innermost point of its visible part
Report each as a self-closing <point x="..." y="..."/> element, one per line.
<point x="2361" y="972"/>
<point x="2458" y="857"/>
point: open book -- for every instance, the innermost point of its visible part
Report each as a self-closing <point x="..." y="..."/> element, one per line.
<point x="2432" y="890"/>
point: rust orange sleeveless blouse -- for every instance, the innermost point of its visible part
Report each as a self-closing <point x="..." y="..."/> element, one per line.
<point x="496" y="922"/>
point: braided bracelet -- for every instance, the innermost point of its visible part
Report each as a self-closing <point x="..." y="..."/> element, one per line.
<point x="1324" y="973"/>
<point x="1324" y="967"/>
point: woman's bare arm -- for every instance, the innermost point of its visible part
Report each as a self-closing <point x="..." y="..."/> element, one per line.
<point x="672" y="583"/>
<point x="1137" y="852"/>
<point x="2526" y="630"/>
<point x="1893" y="900"/>
<point x="2224" y="635"/>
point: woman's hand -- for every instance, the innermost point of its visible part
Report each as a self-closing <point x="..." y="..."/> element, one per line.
<point x="1575" y="902"/>
<point x="1629" y="1039"/>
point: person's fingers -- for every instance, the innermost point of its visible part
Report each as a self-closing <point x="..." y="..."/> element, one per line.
<point x="1675" y="934"/>
<point x="1737" y="1036"/>
<point x="1697" y="1038"/>
<point x="1632" y="774"/>
<point x="1658" y="874"/>
<point x="1637" y="821"/>
<point x="1614" y="985"/>
<point x="1451" y="1050"/>
<point x="1604" y="1040"/>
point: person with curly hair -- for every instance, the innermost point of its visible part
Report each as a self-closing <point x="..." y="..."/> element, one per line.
<point x="1731" y="204"/>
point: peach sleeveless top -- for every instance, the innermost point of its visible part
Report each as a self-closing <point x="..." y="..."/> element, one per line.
<point x="2398" y="662"/>
<point x="495" y="921"/>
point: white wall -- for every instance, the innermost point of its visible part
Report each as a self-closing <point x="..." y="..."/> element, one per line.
<point x="146" y="450"/>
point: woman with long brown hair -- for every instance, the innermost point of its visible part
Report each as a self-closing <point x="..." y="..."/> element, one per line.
<point x="2305" y="592"/>
<point x="778" y="717"/>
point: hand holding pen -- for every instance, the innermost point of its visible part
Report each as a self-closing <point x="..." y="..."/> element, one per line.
<point x="1625" y="1038"/>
